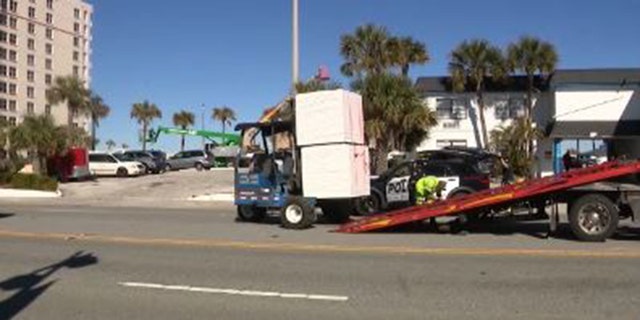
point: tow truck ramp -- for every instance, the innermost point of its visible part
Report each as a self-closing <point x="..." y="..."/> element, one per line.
<point x="497" y="198"/>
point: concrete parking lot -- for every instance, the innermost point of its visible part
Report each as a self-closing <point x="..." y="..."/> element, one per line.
<point x="175" y="187"/>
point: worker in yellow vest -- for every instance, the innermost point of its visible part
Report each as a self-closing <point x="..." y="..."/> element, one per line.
<point x="429" y="189"/>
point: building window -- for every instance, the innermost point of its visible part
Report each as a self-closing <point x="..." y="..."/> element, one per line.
<point x="3" y="36"/>
<point x="31" y="76"/>
<point x="451" y="108"/>
<point x="516" y="107"/>
<point x="13" y="89"/>
<point x="13" y="56"/>
<point x="49" y="18"/>
<point x="48" y="64"/>
<point x="30" y="108"/>
<point x="31" y="60"/>
<point x="13" y="23"/>
<point x="13" y="6"/>
<point x="76" y="71"/>
<point x="76" y="41"/>
<point x="31" y="28"/>
<point x="47" y="109"/>
<point x="451" y="143"/>
<point x="3" y="19"/>
<point x="31" y="44"/>
<point x="13" y="39"/>
<point x="32" y="12"/>
<point x="49" y="33"/>
<point x="12" y="105"/>
<point x="31" y="92"/>
<point x="3" y="87"/>
<point x="49" y="4"/>
<point x="3" y="53"/>
<point x="3" y="70"/>
<point x="76" y="55"/>
<point x="13" y="73"/>
<point x="3" y="104"/>
<point x="12" y="121"/>
<point x="48" y="48"/>
<point x="76" y="13"/>
<point x="48" y="79"/>
<point x="76" y="27"/>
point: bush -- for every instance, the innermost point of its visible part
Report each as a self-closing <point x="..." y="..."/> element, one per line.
<point x="33" y="182"/>
<point x="9" y="167"/>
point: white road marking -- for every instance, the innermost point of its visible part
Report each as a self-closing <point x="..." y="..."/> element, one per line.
<point x="251" y="293"/>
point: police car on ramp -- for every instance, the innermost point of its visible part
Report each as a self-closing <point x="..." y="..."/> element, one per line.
<point x="396" y="187"/>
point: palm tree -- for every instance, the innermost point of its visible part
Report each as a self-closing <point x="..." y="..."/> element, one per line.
<point x="366" y="51"/>
<point x="183" y="119"/>
<point x="405" y="51"/>
<point x="99" y="110"/>
<point x="72" y="90"/>
<point x="39" y="136"/>
<point x="395" y="115"/>
<point x="473" y="62"/>
<point x="145" y="112"/>
<point x="125" y="146"/>
<point x="512" y="143"/>
<point x="225" y="115"/>
<point x="110" y="144"/>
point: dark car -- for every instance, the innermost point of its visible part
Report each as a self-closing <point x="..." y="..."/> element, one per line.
<point x="152" y="164"/>
<point x="484" y="160"/>
<point x="198" y="159"/>
<point x="396" y="187"/>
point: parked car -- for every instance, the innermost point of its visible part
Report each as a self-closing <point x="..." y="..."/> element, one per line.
<point x="396" y="187"/>
<point x="198" y="159"/>
<point x="152" y="164"/>
<point x="105" y="164"/>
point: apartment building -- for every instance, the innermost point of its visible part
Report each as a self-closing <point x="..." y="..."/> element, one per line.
<point x="39" y="41"/>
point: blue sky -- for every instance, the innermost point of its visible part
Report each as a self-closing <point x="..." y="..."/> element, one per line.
<point x="182" y="54"/>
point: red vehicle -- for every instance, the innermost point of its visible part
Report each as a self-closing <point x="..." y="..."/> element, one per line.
<point x="72" y="165"/>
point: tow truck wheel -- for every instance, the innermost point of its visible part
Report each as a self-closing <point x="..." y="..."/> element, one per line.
<point x="251" y="213"/>
<point x="297" y="214"/>
<point x="593" y="217"/>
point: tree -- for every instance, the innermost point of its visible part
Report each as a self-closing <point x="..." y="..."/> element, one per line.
<point x="145" y="112"/>
<point x="531" y="56"/>
<point x="125" y="146"/>
<point x="98" y="110"/>
<point x="396" y="118"/>
<point x="39" y="136"/>
<point x="225" y="115"/>
<point x="365" y="51"/>
<point x="72" y="90"/>
<point x="405" y="51"/>
<point x="110" y="144"/>
<point x="512" y="143"/>
<point x="183" y="119"/>
<point x="471" y="64"/>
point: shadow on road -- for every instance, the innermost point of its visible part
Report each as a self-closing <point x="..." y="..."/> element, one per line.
<point x="6" y="215"/>
<point x="30" y="286"/>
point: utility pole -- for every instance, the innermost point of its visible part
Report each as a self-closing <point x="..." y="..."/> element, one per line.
<point x="202" y="127"/>
<point x="295" y="50"/>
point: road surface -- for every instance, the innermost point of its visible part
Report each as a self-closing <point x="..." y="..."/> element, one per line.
<point x="59" y="262"/>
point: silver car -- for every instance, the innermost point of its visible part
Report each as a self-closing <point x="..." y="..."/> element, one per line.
<point x="198" y="159"/>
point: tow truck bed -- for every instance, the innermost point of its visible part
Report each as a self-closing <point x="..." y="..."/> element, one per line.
<point x="543" y="188"/>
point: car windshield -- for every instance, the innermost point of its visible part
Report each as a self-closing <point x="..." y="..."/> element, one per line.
<point x="123" y="157"/>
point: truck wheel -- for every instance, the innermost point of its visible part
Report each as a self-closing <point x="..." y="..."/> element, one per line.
<point x="251" y="213"/>
<point x="337" y="211"/>
<point x="593" y="217"/>
<point x="297" y="214"/>
<point x="368" y="205"/>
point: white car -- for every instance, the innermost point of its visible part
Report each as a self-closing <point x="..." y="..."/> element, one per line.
<point x="105" y="164"/>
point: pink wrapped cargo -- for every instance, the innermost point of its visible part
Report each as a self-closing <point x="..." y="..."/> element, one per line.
<point x="326" y="117"/>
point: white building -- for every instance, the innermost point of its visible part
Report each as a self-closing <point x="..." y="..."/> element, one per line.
<point x="39" y="41"/>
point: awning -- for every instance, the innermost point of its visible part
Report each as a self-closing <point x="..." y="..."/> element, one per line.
<point x="594" y="129"/>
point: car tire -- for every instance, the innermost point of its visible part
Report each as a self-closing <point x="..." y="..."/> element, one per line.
<point x="297" y="214"/>
<point x="593" y="226"/>
<point x="146" y="169"/>
<point x="199" y="166"/>
<point x="167" y="168"/>
<point x="122" y="173"/>
<point x="251" y="213"/>
<point x="337" y="211"/>
<point x="368" y="205"/>
<point x="463" y="218"/>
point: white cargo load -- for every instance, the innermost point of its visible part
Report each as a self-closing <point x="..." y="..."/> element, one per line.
<point x="332" y="116"/>
<point x="335" y="171"/>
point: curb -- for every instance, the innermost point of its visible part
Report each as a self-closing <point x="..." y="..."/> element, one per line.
<point x="28" y="194"/>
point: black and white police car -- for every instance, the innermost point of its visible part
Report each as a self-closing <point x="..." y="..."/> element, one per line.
<point x="396" y="187"/>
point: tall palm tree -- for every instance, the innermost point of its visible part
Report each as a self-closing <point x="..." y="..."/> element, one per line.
<point x="40" y="137"/>
<point x="145" y="112"/>
<point x="98" y="110"/>
<point x="471" y="63"/>
<point x="225" y="115"/>
<point x="183" y="119"/>
<point x="366" y="51"/>
<point x="72" y="90"/>
<point x="405" y="51"/>
<point x="110" y="144"/>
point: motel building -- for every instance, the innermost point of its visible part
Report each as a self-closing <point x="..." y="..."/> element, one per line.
<point x="593" y="111"/>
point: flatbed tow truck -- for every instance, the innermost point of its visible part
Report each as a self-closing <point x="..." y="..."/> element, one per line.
<point x="596" y="200"/>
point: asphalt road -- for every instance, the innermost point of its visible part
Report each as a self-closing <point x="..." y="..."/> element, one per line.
<point x="118" y="263"/>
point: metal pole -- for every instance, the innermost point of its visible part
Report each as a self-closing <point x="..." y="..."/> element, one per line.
<point x="294" y="52"/>
<point x="202" y="125"/>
